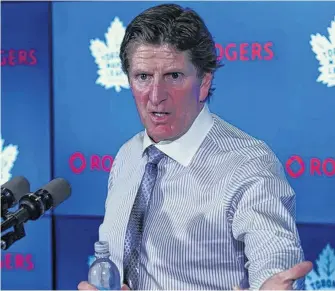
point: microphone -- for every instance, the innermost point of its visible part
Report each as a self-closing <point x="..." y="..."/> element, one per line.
<point x="32" y="206"/>
<point x="12" y="191"/>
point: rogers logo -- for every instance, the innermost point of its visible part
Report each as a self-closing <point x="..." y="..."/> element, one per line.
<point x="245" y="51"/>
<point x="78" y="162"/>
<point x="18" y="57"/>
<point x="17" y="261"/>
<point x="296" y="166"/>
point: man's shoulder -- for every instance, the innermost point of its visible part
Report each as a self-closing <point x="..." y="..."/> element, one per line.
<point x="229" y="138"/>
<point x="128" y="155"/>
<point x="132" y="147"/>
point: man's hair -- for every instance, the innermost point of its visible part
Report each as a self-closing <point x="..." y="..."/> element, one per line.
<point x="173" y="25"/>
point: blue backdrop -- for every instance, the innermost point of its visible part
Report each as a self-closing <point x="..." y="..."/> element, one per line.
<point x="68" y="108"/>
<point x="25" y="131"/>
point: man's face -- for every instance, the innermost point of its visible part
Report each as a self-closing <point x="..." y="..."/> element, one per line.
<point x="166" y="89"/>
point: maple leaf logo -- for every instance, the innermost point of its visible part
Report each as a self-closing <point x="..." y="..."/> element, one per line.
<point x="8" y="157"/>
<point x="107" y="57"/>
<point x="324" y="279"/>
<point x="324" y="50"/>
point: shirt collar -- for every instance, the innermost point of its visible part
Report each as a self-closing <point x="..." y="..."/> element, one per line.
<point x="184" y="148"/>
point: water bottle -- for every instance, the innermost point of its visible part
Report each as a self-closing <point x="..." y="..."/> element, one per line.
<point x="103" y="273"/>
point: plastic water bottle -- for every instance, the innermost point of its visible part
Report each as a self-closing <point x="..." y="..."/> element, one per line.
<point x="103" y="273"/>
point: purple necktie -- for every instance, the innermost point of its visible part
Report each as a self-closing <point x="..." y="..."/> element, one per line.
<point x="136" y="221"/>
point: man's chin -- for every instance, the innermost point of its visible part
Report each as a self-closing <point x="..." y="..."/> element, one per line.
<point x="159" y="135"/>
<point x="157" y="139"/>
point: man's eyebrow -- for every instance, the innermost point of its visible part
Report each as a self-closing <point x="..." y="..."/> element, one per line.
<point x="141" y="69"/>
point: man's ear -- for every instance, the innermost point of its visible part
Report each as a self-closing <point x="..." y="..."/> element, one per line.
<point x="205" y="86"/>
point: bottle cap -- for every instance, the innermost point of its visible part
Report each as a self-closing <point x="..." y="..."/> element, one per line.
<point x="101" y="247"/>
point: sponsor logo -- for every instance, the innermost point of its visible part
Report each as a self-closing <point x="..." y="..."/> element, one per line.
<point x="106" y="55"/>
<point x="8" y="155"/>
<point x="245" y="51"/>
<point x="18" y="57"/>
<point x="324" y="277"/>
<point x="17" y="261"/>
<point x="79" y="162"/>
<point x="297" y="166"/>
<point x="324" y="49"/>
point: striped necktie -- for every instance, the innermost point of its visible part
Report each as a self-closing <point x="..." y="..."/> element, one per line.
<point x="136" y="221"/>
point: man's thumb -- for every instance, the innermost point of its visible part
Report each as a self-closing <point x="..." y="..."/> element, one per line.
<point x="298" y="271"/>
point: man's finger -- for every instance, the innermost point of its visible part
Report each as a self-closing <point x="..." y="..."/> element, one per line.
<point x="84" y="285"/>
<point x="125" y="287"/>
<point x="298" y="271"/>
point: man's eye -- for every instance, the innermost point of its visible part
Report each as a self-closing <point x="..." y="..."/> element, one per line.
<point x="143" y="77"/>
<point x="175" y="75"/>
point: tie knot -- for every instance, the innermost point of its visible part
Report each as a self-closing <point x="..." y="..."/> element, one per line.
<point x="154" y="155"/>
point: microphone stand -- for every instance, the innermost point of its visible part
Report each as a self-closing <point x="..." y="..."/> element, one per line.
<point x="12" y="236"/>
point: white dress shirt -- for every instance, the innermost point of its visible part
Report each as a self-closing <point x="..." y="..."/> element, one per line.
<point x="221" y="214"/>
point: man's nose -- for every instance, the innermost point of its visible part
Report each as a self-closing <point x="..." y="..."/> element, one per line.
<point x="158" y="93"/>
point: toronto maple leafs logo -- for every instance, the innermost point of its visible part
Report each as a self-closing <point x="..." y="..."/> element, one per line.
<point x="324" y="279"/>
<point x="324" y="50"/>
<point x="107" y="57"/>
<point x="8" y="155"/>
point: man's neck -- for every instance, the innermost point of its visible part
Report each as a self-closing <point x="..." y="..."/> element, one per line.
<point x="183" y="148"/>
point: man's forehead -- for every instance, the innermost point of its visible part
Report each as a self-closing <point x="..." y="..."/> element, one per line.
<point x="145" y="51"/>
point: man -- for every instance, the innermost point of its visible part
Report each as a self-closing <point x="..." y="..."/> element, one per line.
<point x="193" y="202"/>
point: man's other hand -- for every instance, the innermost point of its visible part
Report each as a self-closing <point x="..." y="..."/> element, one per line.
<point x="284" y="280"/>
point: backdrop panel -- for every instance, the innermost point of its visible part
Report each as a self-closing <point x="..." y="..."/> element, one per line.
<point x="268" y="88"/>
<point x="27" y="265"/>
<point x="318" y="242"/>
<point x="74" y="252"/>
<point x="25" y="130"/>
